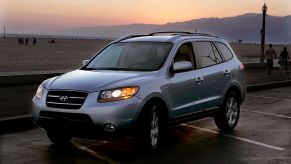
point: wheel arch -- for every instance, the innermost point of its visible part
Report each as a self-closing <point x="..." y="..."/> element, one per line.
<point x="154" y="100"/>
<point x="237" y="90"/>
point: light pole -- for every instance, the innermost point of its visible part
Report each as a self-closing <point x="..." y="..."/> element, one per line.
<point x="264" y="10"/>
<point x="4" y="33"/>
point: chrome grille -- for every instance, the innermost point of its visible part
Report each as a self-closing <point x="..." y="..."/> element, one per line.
<point x="66" y="99"/>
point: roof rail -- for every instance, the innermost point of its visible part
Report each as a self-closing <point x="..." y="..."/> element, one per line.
<point x="181" y="33"/>
<point x="129" y="37"/>
<point x="205" y="34"/>
<point x="166" y="32"/>
<point x="171" y="32"/>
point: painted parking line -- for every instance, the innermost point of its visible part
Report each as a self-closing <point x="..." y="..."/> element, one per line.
<point x="94" y="153"/>
<point x="266" y="113"/>
<point x="267" y="97"/>
<point x="235" y="137"/>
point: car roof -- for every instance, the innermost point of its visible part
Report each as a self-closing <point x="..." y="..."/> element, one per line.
<point x="150" y="39"/>
<point x="168" y="37"/>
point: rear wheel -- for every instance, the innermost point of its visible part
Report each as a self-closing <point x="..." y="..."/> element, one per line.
<point x="227" y="118"/>
<point x="150" y="128"/>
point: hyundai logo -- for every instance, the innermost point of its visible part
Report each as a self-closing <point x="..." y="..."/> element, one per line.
<point x="64" y="98"/>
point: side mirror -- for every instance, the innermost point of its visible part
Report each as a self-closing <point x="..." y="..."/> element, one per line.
<point x="182" y="66"/>
<point x="85" y="62"/>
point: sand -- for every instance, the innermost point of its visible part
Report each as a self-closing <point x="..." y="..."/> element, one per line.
<point x="65" y="54"/>
<point x="68" y="54"/>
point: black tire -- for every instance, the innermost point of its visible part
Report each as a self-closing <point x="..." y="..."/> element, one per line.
<point x="59" y="138"/>
<point x="150" y="128"/>
<point x="227" y="117"/>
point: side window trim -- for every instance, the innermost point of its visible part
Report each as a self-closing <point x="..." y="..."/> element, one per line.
<point x="218" y="49"/>
<point x="193" y="56"/>
<point x="215" y="49"/>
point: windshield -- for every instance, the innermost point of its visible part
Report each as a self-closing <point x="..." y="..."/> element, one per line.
<point x="132" y="56"/>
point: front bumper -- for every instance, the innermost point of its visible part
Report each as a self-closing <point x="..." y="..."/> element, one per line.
<point x="92" y="119"/>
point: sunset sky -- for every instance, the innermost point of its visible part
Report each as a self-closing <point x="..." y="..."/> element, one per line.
<point x="47" y="16"/>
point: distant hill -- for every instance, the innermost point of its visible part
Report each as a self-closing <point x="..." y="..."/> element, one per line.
<point x="245" y="27"/>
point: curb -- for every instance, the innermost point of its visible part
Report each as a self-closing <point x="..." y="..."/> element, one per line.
<point x="265" y="86"/>
<point x="25" y="122"/>
<point x="17" y="123"/>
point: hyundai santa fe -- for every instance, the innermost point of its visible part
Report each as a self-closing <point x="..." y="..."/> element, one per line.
<point x="140" y="84"/>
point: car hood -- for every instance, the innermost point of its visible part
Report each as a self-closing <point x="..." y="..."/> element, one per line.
<point x="91" y="81"/>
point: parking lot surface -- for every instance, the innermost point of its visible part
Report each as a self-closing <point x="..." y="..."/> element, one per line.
<point x="263" y="135"/>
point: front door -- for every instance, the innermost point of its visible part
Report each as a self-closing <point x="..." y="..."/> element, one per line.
<point x="184" y="91"/>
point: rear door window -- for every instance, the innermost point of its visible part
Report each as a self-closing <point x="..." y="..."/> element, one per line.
<point x="206" y="53"/>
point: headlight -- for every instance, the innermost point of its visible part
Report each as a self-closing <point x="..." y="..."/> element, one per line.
<point x="117" y="94"/>
<point x="40" y="91"/>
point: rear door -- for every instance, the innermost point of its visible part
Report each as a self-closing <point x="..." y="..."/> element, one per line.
<point x="213" y="73"/>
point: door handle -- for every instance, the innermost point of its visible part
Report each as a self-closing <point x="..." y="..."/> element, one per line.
<point x="226" y="72"/>
<point x="199" y="80"/>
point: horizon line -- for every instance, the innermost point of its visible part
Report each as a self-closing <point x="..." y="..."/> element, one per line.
<point x="134" y="23"/>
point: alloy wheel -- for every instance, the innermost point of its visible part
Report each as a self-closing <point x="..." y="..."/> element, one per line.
<point x="231" y="110"/>
<point x="154" y="134"/>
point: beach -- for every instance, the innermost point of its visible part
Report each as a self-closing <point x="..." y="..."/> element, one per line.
<point x="68" y="54"/>
<point x="65" y="54"/>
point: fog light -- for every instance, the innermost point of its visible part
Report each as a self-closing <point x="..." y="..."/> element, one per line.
<point x="109" y="127"/>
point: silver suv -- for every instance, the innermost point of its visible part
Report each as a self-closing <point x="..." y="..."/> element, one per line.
<point x="140" y="84"/>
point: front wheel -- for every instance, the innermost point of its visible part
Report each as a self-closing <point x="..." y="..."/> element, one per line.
<point x="227" y="117"/>
<point x="149" y="129"/>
